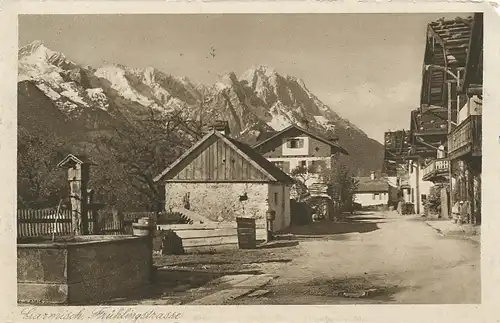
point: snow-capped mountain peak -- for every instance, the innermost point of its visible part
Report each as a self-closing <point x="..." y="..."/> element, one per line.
<point x="259" y="101"/>
<point x="117" y="77"/>
<point x="35" y="48"/>
<point x="36" y="53"/>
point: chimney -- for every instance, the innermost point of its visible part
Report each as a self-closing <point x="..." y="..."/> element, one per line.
<point x="372" y="175"/>
<point x="222" y="127"/>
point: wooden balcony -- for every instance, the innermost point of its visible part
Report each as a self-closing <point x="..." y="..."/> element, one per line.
<point x="435" y="170"/>
<point x="466" y="139"/>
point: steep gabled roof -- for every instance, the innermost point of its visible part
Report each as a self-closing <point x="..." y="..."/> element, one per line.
<point x="269" y="170"/>
<point x="446" y="46"/>
<point x="304" y="131"/>
<point x="449" y="38"/>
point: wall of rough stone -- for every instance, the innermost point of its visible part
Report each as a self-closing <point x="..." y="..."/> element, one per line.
<point x="83" y="273"/>
<point x="107" y="270"/>
<point x="219" y="201"/>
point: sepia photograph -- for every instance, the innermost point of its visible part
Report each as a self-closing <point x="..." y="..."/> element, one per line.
<point x="249" y="159"/>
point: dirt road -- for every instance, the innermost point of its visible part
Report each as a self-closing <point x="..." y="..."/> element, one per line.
<point x="399" y="259"/>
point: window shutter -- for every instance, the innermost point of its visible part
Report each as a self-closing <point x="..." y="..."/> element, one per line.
<point x="288" y="144"/>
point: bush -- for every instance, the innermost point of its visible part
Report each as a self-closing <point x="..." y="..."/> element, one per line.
<point x="433" y="201"/>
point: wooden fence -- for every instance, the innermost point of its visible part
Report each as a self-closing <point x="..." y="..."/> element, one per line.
<point x="206" y="236"/>
<point x="43" y="222"/>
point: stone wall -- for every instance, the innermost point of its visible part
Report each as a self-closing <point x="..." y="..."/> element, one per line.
<point x="82" y="272"/>
<point x="106" y="270"/>
<point x="219" y="202"/>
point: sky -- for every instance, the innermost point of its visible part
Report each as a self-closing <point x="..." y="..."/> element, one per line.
<point x="366" y="67"/>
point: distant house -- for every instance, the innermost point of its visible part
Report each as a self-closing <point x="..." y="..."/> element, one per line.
<point x="221" y="178"/>
<point x="372" y="191"/>
<point x="294" y="146"/>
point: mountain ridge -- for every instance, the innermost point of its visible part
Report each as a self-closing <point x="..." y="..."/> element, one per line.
<point x="259" y="100"/>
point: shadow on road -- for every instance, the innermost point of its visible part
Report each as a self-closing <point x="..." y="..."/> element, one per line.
<point x="332" y="228"/>
<point x="278" y="244"/>
<point x="348" y="224"/>
<point x="362" y="218"/>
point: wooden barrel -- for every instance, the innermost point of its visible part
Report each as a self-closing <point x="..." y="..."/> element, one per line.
<point x="247" y="233"/>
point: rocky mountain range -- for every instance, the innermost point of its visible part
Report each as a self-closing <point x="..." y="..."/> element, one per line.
<point x="59" y="95"/>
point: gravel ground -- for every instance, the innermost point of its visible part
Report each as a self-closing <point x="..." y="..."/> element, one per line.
<point x="365" y="258"/>
<point x="406" y="261"/>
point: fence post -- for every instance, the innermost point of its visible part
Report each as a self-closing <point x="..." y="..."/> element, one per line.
<point x="118" y="219"/>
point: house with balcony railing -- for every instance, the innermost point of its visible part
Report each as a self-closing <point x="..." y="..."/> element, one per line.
<point x="465" y="138"/>
<point x="436" y="170"/>
<point x="444" y="65"/>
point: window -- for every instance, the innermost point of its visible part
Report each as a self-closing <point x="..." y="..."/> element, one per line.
<point x="412" y="196"/>
<point x="276" y="198"/>
<point x="295" y="143"/>
<point x="303" y="163"/>
<point x="375" y="196"/>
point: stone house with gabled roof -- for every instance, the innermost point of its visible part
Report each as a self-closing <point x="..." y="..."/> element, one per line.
<point x="221" y="178"/>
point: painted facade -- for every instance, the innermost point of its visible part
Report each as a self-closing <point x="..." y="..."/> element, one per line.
<point x="295" y="147"/>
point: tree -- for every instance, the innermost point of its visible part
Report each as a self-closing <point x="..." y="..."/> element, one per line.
<point x="302" y="174"/>
<point x="433" y="200"/>
<point x="343" y="182"/>
<point x="136" y="153"/>
<point x="338" y="176"/>
<point x="39" y="182"/>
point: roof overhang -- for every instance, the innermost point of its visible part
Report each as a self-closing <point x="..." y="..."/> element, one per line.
<point x="317" y="137"/>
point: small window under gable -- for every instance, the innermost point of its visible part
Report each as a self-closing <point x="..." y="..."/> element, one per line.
<point x="295" y="143"/>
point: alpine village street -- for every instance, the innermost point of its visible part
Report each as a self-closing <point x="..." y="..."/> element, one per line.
<point x="275" y="221"/>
